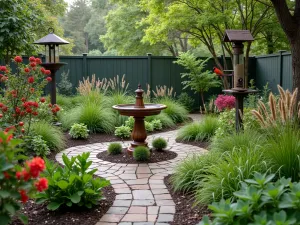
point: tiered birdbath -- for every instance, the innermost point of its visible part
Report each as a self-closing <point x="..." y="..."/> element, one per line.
<point x="139" y="110"/>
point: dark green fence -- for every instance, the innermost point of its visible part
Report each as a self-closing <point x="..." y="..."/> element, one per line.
<point x="161" y="70"/>
<point x="274" y="69"/>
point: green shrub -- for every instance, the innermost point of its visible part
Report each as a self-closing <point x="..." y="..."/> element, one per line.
<point x="200" y="131"/>
<point x="259" y="201"/>
<point x="244" y="139"/>
<point x="141" y="153"/>
<point x="72" y="185"/>
<point x="187" y="101"/>
<point x="79" y="130"/>
<point x="159" y="143"/>
<point x="165" y="120"/>
<point x="189" y="173"/>
<point x="65" y="86"/>
<point x="282" y="147"/>
<point x="65" y="102"/>
<point x="114" y="148"/>
<point x="223" y="178"/>
<point x="227" y="122"/>
<point x="53" y="135"/>
<point x="123" y="131"/>
<point x="130" y="122"/>
<point x="148" y="126"/>
<point x="157" y="125"/>
<point x="69" y="117"/>
<point x="174" y="110"/>
<point x="37" y="145"/>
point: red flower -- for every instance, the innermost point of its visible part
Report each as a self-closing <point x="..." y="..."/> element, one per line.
<point x="23" y="130"/>
<point x="1" y="115"/>
<point x="57" y="108"/>
<point x="50" y="105"/>
<point x="49" y="79"/>
<point x="4" y="78"/>
<point x="21" y="124"/>
<point x="28" y="110"/>
<point x="41" y="184"/>
<point x="47" y="72"/>
<point x="26" y="176"/>
<point x="4" y="108"/>
<point x="18" y="59"/>
<point x="30" y="80"/>
<point x="31" y="90"/>
<point x="6" y="175"/>
<point x="32" y="59"/>
<point x="38" y="60"/>
<point x="1" y="104"/>
<point x="22" y="113"/>
<point x="18" y="175"/>
<point x="35" y="113"/>
<point x="3" y="68"/>
<point x="26" y="70"/>
<point x="24" y="197"/>
<point x="42" y="99"/>
<point x="43" y="70"/>
<point x="36" y="166"/>
<point x="33" y="64"/>
<point x="23" y="99"/>
<point x="18" y="110"/>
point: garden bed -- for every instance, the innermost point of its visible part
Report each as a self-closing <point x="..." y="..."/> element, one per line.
<point x="124" y="157"/>
<point x="39" y="214"/>
<point x="185" y="212"/>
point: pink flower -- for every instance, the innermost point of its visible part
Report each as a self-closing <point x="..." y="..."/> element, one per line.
<point x="225" y="102"/>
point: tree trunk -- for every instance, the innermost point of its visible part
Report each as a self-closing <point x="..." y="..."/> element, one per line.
<point x="295" y="50"/>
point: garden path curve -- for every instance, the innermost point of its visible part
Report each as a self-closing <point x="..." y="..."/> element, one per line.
<point x="142" y="197"/>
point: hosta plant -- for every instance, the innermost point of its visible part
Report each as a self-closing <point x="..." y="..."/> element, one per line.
<point x="73" y="184"/>
<point x="17" y="183"/>
<point x="79" y="131"/>
<point x="123" y="131"/>
<point x="259" y="201"/>
<point x="35" y="145"/>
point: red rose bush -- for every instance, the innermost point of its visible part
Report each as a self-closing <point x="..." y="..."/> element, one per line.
<point x="17" y="182"/>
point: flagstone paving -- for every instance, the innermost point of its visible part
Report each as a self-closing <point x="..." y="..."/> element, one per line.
<point x="142" y="197"/>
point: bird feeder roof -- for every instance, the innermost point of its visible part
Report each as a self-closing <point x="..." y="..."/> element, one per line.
<point x="51" y="38"/>
<point x="237" y="36"/>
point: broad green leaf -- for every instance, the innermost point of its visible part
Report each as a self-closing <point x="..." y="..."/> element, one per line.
<point x="53" y="205"/>
<point x="4" y="193"/>
<point x="10" y="208"/>
<point x="75" y="198"/>
<point x="62" y="184"/>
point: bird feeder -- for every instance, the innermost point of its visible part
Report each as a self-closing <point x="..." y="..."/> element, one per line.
<point x="52" y="43"/>
<point x="237" y="37"/>
<point x="239" y="90"/>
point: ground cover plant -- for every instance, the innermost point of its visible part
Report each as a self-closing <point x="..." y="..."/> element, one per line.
<point x="159" y="143"/>
<point x="79" y="130"/>
<point x="259" y="201"/>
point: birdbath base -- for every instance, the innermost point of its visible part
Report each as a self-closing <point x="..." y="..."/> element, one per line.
<point x="138" y="134"/>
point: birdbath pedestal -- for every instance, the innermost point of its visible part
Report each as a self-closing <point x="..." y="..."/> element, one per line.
<point x="139" y="111"/>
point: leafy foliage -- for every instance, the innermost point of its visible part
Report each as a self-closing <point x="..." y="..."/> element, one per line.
<point x="79" y="130"/>
<point x="114" y="148"/>
<point x="148" y="126"/>
<point x="36" y="145"/>
<point x="53" y="136"/>
<point x="123" y="131"/>
<point x="159" y="143"/>
<point x="157" y="124"/>
<point x="65" y="86"/>
<point x="17" y="183"/>
<point x="141" y="153"/>
<point x="196" y="79"/>
<point x="165" y="120"/>
<point x="187" y="101"/>
<point x="259" y="201"/>
<point x="73" y="184"/>
<point x="200" y="131"/>
<point x="130" y="122"/>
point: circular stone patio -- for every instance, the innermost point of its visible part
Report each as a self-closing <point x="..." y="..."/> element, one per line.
<point x="142" y="197"/>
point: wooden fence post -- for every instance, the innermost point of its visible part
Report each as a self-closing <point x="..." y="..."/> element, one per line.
<point x="84" y="64"/>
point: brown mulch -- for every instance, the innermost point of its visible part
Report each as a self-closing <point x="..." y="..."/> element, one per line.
<point x="124" y="157"/>
<point x="186" y="213"/>
<point x="199" y="144"/>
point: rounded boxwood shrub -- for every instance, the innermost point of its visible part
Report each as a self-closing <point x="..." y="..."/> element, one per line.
<point x="159" y="143"/>
<point x="141" y="153"/>
<point x="114" y="148"/>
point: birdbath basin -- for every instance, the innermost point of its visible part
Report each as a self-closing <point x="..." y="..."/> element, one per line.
<point x="139" y="110"/>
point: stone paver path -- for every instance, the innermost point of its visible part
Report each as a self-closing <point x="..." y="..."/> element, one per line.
<point x="142" y="197"/>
